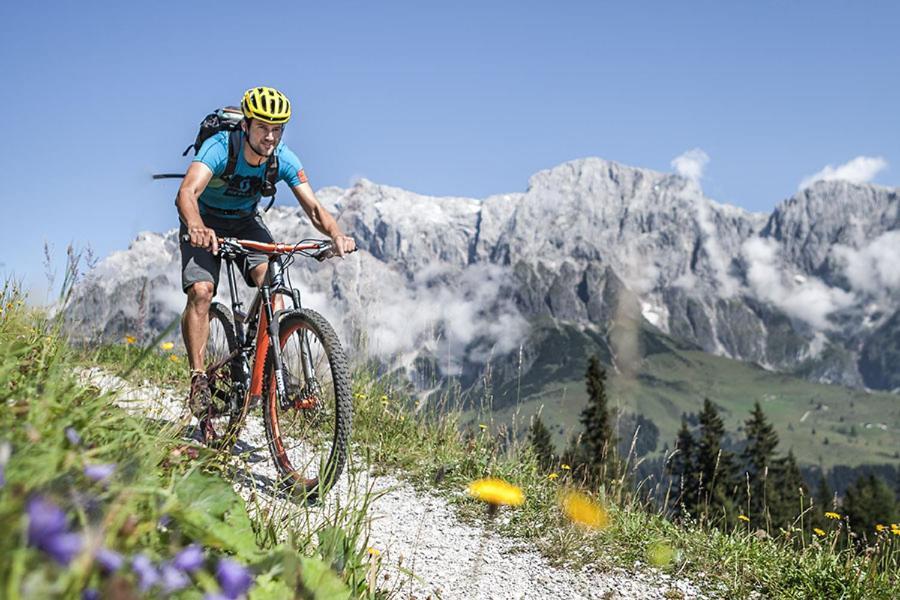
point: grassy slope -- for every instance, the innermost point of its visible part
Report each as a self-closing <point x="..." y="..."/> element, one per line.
<point x="673" y="380"/>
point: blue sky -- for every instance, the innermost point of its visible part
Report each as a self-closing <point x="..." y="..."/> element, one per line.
<point x="457" y="98"/>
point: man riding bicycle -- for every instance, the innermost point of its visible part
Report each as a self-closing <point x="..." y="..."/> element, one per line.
<point x="211" y="207"/>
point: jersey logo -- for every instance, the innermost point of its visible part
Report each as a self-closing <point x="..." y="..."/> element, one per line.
<point x="301" y="175"/>
<point x="242" y="186"/>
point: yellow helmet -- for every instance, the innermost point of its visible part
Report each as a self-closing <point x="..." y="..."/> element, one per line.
<point x="266" y="104"/>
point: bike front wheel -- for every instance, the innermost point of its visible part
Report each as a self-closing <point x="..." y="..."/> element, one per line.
<point x="308" y="423"/>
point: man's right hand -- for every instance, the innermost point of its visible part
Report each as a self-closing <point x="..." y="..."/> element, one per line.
<point x="203" y="237"/>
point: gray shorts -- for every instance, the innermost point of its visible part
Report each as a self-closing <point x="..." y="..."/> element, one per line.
<point x="198" y="264"/>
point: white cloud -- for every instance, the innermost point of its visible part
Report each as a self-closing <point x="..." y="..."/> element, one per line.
<point x="861" y="169"/>
<point x="691" y="164"/>
<point x="874" y="268"/>
<point x="453" y="315"/>
<point x="808" y="300"/>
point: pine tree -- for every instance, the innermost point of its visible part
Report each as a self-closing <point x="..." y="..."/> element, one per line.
<point x="869" y="502"/>
<point x="789" y="494"/>
<point x="683" y="470"/>
<point x="756" y="487"/>
<point x="715" y="465"/>
<point x="598" y="443"/>
<point x="541" y="444"/>
<point x="824" y="501"/>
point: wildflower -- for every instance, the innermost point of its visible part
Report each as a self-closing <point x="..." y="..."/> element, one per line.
<point x="496" y="492"/>
<point x="832" y="515"/>
<point x="374" y="552"/>
<point x="895" y="531"/>
<point x="744" y="518"/>
<point x="482" y="426"/>
<point x="5" y="451"/>
<point x="190" y="559"/>
<point x="47" y="531"/>
<point x="581" y="509"/>
<point x="147" y="574"/>
<point x="130" y="339"/>
<point x="233" y="578"/>
<point x="174" y="358"/>
<point x="90" y="594"/>
<point x="73" y="436"/>
<point x="818" y="532"/>
<point x="565" y="467"/>
<point x="99" y="473"/>
<point x="553" y="476"/>
<point x="359" y="396"/>
<point x="879" y="528"/>
<point x="109" y="560"/>
<point x="384" y="400"/>
<point x="173" y="579"/>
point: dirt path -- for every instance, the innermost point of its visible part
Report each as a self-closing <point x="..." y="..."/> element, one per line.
<point x="425" y="551"/>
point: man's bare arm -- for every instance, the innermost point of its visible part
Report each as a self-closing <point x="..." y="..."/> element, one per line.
<point x="322" y="219"/>
<point x="195" y="181"/>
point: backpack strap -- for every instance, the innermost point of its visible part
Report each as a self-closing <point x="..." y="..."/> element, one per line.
<point x="234" y="147"/>
<point x="271" y="178"/>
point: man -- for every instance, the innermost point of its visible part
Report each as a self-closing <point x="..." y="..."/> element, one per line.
<point x="209" y="207"/>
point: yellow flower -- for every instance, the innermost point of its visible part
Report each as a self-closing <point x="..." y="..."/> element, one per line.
<point x="895" y="531"/>
<point x="130" y="339"/>
<point x="174" y="358"/>
<point x="565" y="467"/>
<point x="553" y="476"/>
<point x="359" y="396"/>
<point x="744" y="518"/>
<point x="581" y="509"/>
<point x="482" y="426"/>
<point x="879" y="528"/>
<point x="167" y="345"/>
<point x="496" y="491"/>
<point x="384" y="399"/>
<point x="818" y="532"/>
<point x="832" y="515"/>
<point x="374" y="552"/>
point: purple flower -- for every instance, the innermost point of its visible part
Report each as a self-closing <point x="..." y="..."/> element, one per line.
<point x="234" y="579"/>
<point x="47" y="530"/>
<point x="215" y="596"/>
<point x="45" y="519"/>
<point x="62" y="547"/>
<point x="90" y="594"/>
<point x="190" y="559"/>
<point x="164" y="521"/>
<point x="73" y="436"/>
<point x="108" y="560"/>
<point x="99" y="472"/>
<point x="146" y="572"/>
<point x="5" y="451"/>
<point x="172" y="578"/>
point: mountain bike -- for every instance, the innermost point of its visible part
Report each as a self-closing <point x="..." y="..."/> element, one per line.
<point x="302" y="382"/>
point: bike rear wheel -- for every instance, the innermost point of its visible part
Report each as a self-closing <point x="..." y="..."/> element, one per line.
<point x="308" y="427"/>
<point x="222" y="423"/>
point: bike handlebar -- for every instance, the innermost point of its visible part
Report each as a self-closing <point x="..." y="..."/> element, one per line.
<point x="325" y="247"/>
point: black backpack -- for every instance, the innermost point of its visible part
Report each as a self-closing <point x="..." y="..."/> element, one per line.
<point x="229" y="119"/>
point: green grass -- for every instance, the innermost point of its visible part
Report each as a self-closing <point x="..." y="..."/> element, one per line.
<point x="441" y="449"/>
<point x="439" y="453"/>
<point x="860" y="427"/>
<point x="163" y="495"/>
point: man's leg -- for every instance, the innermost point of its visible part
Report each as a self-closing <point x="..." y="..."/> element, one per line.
<point x="195" y="322"/>
<point x="258" y="274"/>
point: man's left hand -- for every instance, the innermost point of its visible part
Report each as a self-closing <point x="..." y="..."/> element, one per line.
<point x="343" y="244"/>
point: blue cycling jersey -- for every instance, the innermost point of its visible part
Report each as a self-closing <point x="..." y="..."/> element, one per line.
<point x="242" y="191"/>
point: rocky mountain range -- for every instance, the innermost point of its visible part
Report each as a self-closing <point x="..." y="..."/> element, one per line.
<point x="443" y="286"/>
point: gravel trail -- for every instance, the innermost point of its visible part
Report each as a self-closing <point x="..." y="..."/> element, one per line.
<point x="425" y="551"/>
